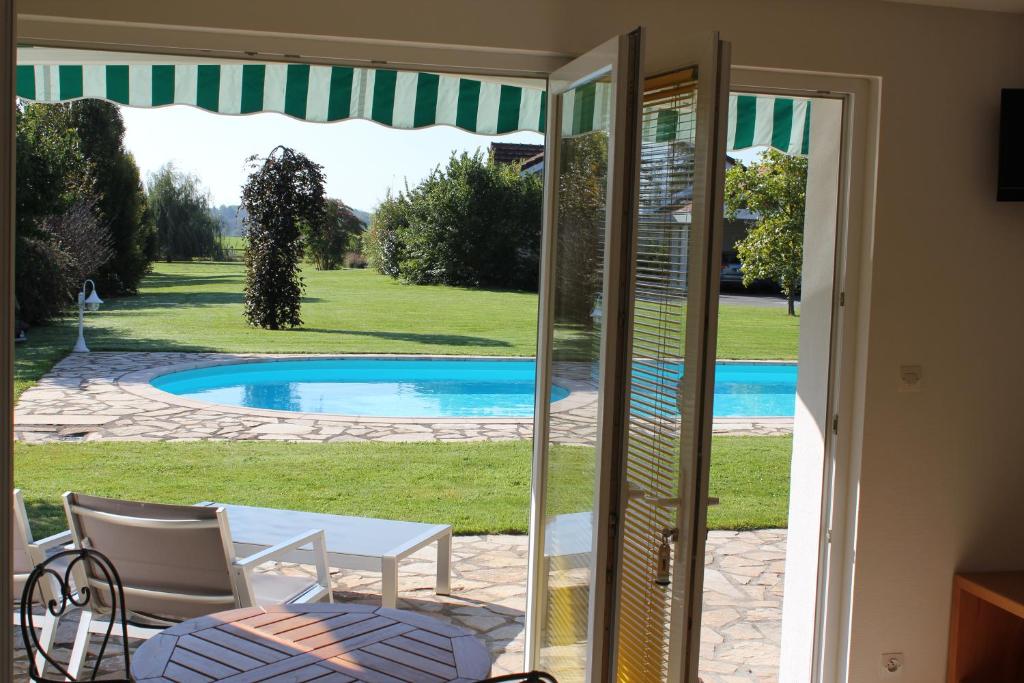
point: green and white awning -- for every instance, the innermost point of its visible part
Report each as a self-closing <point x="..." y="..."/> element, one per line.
<point x="399" y="99"/>
<point x="764" y="121"/>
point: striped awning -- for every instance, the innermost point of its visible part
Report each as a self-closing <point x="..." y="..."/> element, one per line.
<point x="764" y="121"/>
<point x="399" y="99"/>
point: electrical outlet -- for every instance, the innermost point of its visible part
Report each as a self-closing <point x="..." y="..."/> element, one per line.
<point x="892" y="665"/>
<point x="910" y="378"/>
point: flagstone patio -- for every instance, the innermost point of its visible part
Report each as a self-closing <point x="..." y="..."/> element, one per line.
<point x="107" y="396"/>
<point x="742" y="601"/>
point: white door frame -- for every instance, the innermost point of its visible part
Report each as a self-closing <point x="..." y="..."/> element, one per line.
<point x="848" y="348"/>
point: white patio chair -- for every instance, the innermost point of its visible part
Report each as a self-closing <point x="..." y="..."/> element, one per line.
<point x="26" y="554"/>
<point x="177" y="562"/>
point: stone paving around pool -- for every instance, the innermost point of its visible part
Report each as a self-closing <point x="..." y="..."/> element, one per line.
<point x="742" y="601"/>
<point x="107" y="396"/>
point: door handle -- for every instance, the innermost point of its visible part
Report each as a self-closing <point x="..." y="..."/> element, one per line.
<point x="634" y="492"/>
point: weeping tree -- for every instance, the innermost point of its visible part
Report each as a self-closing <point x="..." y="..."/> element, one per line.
<point x="284" y="191"/>
<point x="186" y="227"/>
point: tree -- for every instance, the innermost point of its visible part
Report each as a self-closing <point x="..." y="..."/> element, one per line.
<point x="52" y="175"/>
<point x="79" y="234"/>
<point x="182" y="211"/>
<point x="327" y="241"/>
<point x="284" y="190"/>
<point x="52" y="170"/>
<point x="774" y="189"/>
<point x="472" y="224"/>
<point x="120" y="196"/>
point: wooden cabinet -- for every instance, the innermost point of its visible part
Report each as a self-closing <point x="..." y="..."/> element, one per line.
<point x="986" y="634"/>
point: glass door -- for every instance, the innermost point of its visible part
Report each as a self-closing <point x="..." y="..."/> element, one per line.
<point x="632" y="189"/>
<point x="590" y="172"/>
<point x="676" y="257"/>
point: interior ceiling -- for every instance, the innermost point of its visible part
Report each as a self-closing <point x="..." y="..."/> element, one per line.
<point x="985" y="5"/>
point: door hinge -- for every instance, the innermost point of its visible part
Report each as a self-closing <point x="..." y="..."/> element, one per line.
<point x="842" y="298"/>
<point x="828" y="535"/>
<point x="835" y="423"/>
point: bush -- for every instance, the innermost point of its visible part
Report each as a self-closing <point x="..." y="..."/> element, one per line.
<point x="471" y="224"/>
<point x="327" y="241"/>
<point x="82" y="237"/>
<point x="354" y="259"/>
<point x="381" y="242"/>
<point x="582" y="186"/>
<point x="43" y="279"/>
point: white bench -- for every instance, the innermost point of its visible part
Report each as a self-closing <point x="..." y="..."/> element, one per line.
<point x="360" y="543"/>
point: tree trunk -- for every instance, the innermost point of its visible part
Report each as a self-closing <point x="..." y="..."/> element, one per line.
<point x="791" y="302"/>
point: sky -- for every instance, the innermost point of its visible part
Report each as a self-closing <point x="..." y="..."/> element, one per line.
<point x="361" y="159"/>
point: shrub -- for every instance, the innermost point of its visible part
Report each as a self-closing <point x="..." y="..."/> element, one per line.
<point x="381" y="242"/>
<point x="471" y="224"/>
<point x="326" y="242"/>
<point x="354" y="259"/>
<point x="43" y="279"/>
<point x="283" y="191"/>
<point x="583" y="182"/>
<point x="82" y="238"/>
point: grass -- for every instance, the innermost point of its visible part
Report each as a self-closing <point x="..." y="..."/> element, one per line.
<point x="233" y="241"/>
<point x="197" y="306"/>
<point x="476" y="487"/>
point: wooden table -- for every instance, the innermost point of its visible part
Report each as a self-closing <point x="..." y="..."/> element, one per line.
<point x="328" y="643"/>
<point x="360" y="543"/>
<point x="986" y="633"/>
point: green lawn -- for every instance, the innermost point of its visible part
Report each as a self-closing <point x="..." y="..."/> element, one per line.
<point x="233" y="241"/>
<point x="197" y="306"/>
<point x="476" y="487"/>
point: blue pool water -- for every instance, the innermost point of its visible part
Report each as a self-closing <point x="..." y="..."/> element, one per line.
<point x="375" y="387"/>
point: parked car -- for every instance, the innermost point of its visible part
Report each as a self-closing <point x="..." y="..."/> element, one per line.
<point x="732" y="274"/>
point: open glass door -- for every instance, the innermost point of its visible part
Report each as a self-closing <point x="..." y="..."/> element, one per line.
<point x="673" y="313"/>
<point x="628" y="284"/>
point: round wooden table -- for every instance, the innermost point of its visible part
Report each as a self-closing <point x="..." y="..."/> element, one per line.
<point x="328" y="643"/>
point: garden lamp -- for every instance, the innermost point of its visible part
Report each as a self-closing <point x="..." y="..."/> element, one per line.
<point x="92" y="303"/>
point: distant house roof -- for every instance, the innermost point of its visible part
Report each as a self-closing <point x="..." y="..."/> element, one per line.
<point x="509" y="152"/>
<point x="534" y="164"/>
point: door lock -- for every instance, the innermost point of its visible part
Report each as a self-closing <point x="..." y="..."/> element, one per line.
<point x="664" y="575"/>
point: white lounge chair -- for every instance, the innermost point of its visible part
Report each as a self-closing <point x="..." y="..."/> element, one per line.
<point x="177" y="562"/>
<point x="26" y="554"/>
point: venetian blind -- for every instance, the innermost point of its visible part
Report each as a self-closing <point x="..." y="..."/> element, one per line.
<point x="652" y="451"/>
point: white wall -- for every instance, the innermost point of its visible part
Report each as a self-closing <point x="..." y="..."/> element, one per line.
<point x="943" y="469"/>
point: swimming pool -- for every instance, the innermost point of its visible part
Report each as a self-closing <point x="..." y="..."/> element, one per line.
<point x="441" y="388"/>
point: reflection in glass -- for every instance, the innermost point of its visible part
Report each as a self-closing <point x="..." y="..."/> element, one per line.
<point x="575" y="358"/>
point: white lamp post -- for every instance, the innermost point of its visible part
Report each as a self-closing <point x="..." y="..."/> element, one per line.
<point x="92" y="302"/>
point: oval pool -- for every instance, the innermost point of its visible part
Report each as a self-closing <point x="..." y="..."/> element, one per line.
<point x="438" y="388"/>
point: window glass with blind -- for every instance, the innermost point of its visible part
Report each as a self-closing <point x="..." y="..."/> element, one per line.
<point x="653" y="462"/>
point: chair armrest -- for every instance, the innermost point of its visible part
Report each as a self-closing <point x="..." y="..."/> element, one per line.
<point x="314" y="537"/>
<point x="55" y="541"/>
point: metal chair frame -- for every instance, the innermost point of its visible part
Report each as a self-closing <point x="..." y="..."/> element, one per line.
<point x="70" y="597"/>
<point x="529" y="677"/>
